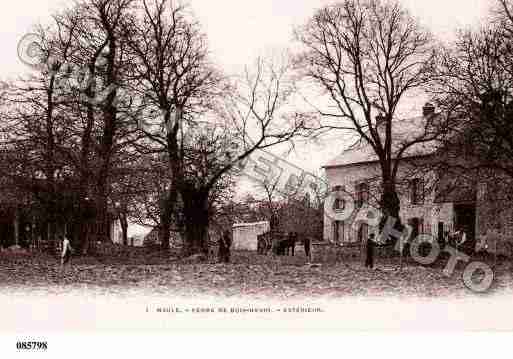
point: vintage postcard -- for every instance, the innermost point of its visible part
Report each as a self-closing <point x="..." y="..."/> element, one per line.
<point x="175" y="166"/>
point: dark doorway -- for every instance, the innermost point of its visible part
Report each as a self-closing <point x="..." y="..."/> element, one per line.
<point x="465" y="219"/>
<point x="339" y="231"/>
<point x="440" y="231"/>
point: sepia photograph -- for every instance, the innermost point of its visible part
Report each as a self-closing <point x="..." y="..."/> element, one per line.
<point x="172" y="166"/>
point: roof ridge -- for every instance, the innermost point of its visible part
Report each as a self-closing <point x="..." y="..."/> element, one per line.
<point x="360" y="151"/>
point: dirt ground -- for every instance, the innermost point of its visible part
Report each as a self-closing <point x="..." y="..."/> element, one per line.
<point x="248" y="274"/>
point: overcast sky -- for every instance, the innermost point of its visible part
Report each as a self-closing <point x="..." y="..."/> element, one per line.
<point x="240" y="30"/>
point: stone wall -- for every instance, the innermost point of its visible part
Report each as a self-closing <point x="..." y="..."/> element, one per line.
<point x="494" y="207"/>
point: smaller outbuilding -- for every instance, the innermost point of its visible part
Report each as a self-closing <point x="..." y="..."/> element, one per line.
<point x="245" y="235"/>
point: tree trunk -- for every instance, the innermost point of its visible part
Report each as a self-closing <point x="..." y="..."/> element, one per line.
<point x="390" y="204"/>
<point x="390" y="207"/>
<point x="124" y="228"/>
<point x="16" y="228"/>
<point x="166" y="218"/>
<point x="196" y="223"/>
<point x="108" y="136"/>
<point x="164" y="234"/>
<point x="88" y="229"/>
<point x="169" y="203"/>
<point x="85" y="170"/>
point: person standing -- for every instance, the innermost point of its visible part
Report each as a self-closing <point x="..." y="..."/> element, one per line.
<point x="228" y="244"/>
<point x="463" y="237"/>
<point x="369" y="258"/>
<point x="225" y="242"/>
<point x="446" y="238"/>
<point x="222" y="249"/>
<point x="67" y="251"/>
<point x="306" y="242"/>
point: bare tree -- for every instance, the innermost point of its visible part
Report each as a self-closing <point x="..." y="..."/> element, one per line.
<point x="172" y="74"/>
<point x="77" y="93"/>
<point x="474" y="86"/>
<point x="255" y="116"/>
<point x="271" y="191"/>
<point x="35" y="124"/>
<point x="112" y="66"/>
<point x="367" y="57"/>
<point x="179" y="81"/>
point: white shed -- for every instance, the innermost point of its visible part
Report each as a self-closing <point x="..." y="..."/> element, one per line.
<point x="245" y="235"/>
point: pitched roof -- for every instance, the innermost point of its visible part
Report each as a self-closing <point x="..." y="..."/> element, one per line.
<point x="403" y="131"/>
<point x="253" y="224"/>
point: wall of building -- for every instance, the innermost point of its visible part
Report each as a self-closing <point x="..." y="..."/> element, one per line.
<point x="494" y="209"/>
<point x="245" y="235"/>
<point x="350" y="176"/>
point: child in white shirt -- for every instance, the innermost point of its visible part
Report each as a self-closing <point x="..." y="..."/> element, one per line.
<point x="66" y="251"/>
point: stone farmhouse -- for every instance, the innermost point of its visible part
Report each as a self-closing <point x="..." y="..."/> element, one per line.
<point x="427" y="203"/>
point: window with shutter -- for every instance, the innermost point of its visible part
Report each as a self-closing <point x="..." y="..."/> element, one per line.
<point x="416" y="191"/>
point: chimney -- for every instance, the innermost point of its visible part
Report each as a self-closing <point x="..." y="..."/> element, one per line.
<point x="428" y="109"/>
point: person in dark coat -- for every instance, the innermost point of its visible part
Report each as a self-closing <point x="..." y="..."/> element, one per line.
<point x="290" y="244"/>
<point x="225" y="242"/>
<point x="306" y="242"/>
<point x="221" y="253"/>
<point x="369" y="259"/>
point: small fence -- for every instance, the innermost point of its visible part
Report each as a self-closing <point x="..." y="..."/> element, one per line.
<point x="328" y="252"/>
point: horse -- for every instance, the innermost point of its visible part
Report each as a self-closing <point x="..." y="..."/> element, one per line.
<point x="277" y="243"/>
<point x="287" y="246"/>
<point x="264" y="243"/>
